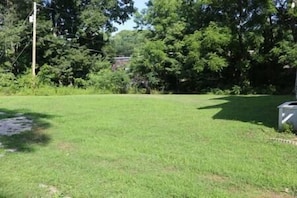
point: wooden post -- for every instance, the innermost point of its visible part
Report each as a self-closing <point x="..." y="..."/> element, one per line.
<point x="34" y="40"/>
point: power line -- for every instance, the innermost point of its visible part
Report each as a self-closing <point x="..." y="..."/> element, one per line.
<point x="21" y="53"/>
<point x="30" y="13"/>
<point x="25" y="20"/>
<point x="76" y="47"/>
<point x="45" y="7"/>
<point x="56" y="10"/>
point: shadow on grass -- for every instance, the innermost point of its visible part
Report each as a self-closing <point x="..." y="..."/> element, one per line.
<point x="25" y="141"/>
<point x="260" y="110"/>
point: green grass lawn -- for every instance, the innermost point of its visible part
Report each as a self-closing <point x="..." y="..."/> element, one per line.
<point x="147" y="146"/>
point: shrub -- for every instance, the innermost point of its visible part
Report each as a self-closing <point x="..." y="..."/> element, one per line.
<point x="6" y="79"/>
<point x="47" y="75"/>
<point x="288" y="128"/>
<point x="26" y="81"/>
<point x="8" y="83"/>
<point x="114" y="81"/>
<point x="79" y="83"/>
<point x="236" y="90"/>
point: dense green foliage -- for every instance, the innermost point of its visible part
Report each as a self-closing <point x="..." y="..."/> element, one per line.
<point x="197" y="45"/>
<point x="125" y="42"/>
<point x="72" y="39"/>
<point x="240" y="46"/>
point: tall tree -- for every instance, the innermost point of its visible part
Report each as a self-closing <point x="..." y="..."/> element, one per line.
<point x="13" y="36"/>
<point x="126" y="41"/>
<point x="72" y="35"/>
<point x="80" y="31"/>
<point x="233" y="42"/>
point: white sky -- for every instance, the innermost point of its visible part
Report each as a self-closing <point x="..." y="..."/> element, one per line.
<point x="128" y="25"/>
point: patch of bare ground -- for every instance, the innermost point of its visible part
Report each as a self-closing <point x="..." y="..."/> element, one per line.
<point x="170" y="169"/>
<point x="255" y="192"/>
<point x="275" y="195"/>
<point x="52" y="191"/>
<point x="215" y="178"/>
<point x="65" y="146"/>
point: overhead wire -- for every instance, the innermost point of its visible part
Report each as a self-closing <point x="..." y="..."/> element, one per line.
<point x="30" y="13"/>
<point x="69" y="14"/>
<point x="44" y="6"/>
<point x="21" y="53"/>
<point x="75" y="47"/>
<point x="26" y="20"/>
<point x="57" y="10"/>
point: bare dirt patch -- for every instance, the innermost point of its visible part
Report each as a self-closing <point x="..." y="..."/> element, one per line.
<point x="215" y="178"/>
<point x="65" y="146"/>
<point x="52" y="191"/>
<point x="275" y="195"/>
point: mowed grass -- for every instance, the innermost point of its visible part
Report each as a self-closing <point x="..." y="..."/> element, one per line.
<point x="147" y="146"/>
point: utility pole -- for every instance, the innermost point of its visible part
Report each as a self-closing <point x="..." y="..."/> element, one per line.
<point x="34" y="40"/>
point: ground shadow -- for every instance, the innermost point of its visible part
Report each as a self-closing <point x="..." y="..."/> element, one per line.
<point x="260" y="110"/>
<point x="25" y="141"/>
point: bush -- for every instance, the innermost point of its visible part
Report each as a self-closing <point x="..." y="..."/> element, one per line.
<point x="116" y="81"/>
<point x="27" y="81"/>
<point x="288" y="128"/>
<point x="79" y="83"/>
<point x="236" y="90"/>
<point x="47" y="75"/>
<point x="7" y="83"/>
<point x="6" y="79"/>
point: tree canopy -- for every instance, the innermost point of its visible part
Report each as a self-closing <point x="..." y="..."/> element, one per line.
<point x="196" y="45"/>
<point x="72" y="37"/>
<point x="242" y="46"/>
